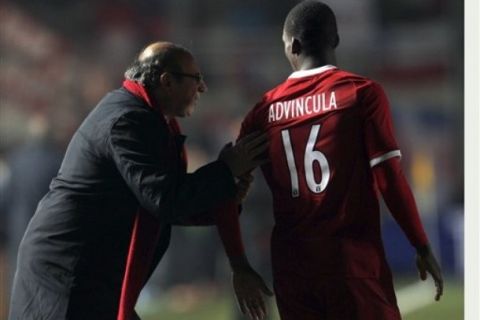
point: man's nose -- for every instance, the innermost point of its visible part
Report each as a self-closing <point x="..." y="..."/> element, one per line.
<point x="202" y="86"/>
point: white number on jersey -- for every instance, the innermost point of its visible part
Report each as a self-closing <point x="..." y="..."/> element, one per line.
<point x="310" y="157"/>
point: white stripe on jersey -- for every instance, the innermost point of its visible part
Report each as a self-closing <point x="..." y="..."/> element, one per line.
<point x="311" y="72"/>
<point x="386" y="156"/>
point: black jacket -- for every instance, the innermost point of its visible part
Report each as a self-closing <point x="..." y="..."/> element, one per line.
<point x="72" y="257"/>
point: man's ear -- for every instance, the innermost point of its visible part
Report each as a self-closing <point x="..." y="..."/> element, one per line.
<point x="296" y="46"/>
<point x="165" y="79"/>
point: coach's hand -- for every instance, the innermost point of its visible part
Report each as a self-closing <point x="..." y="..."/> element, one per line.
<point x="426" y="263"/>
<point x="246" y="154"/>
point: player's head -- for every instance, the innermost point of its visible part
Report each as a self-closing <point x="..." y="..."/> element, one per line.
<point x="171" y="76"/>
<point x="310" y="30"/>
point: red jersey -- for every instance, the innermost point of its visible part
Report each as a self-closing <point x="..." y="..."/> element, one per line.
<point x="327" y="128"/>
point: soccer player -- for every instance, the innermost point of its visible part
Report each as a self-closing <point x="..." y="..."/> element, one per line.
<point x="332" y="150"/>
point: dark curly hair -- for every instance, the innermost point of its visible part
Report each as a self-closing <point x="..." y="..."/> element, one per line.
<point x="314" y="24"/>
<point x="147" y="71"/>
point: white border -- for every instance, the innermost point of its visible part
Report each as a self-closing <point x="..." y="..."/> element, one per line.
<point x="472" y="159"/>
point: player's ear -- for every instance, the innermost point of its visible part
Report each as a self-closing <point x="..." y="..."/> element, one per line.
<point x="336" y="41"/>
<point x="296" y="46"/>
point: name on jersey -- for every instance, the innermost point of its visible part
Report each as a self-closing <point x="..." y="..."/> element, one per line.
<point x="306" y="105"/>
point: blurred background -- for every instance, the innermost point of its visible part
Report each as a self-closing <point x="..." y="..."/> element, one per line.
<point x="58" y="58"/>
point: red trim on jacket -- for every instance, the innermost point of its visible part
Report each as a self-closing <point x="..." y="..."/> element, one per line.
<point x="146" y="229"/>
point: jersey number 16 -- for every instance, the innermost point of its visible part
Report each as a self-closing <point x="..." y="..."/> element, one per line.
<point x="310" y="157"/>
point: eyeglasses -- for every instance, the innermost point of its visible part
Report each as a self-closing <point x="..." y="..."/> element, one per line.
<point x="198" y="77"/>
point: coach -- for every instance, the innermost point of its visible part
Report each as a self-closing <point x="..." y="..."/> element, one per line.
<point x="105" y="223"/>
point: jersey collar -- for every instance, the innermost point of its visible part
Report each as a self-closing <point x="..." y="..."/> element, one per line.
<point x="311" y="72"/>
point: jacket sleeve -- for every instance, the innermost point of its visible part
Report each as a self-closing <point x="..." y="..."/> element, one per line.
<point x="138" y="144"/>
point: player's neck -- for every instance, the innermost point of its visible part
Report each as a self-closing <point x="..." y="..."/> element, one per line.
<point x="312" y="62"/>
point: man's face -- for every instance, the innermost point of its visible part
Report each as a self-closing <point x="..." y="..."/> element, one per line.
<point x="187" y="85"/>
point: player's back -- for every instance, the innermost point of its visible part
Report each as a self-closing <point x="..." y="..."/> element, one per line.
<point x="322" y="125"/>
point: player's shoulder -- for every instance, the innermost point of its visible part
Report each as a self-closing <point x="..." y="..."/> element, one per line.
<point x="269" y="95"/>
<point x="363" y="84"/>
<point x="253" y="119"/>
<point x="265" y="99"/>
<point x="357" y="79"/>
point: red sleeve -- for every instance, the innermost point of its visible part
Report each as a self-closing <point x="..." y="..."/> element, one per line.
<point x="227" y="215"/>
<point x="379" y="134"/>
<point x="384" y="155"/>
<point x="399" y="199"/>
